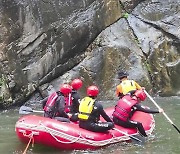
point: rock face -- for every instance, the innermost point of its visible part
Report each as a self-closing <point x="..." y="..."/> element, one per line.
<point x="41" y="40"/>
<point x="45" y="43"/>
<point x="160" y="42"/>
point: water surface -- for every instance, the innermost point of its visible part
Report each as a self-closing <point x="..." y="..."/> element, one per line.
<point x="164" y="140"/>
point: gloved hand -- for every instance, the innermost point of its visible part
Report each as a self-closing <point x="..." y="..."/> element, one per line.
<point x="69" y="114"/>
<point x="161" y="110"/>
<point x="143" y="88"/>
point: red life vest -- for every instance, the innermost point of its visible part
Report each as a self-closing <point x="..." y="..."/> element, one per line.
<point x="123" y="107"/>
<point x="51" y="102"/>
<point x="68" y="101"/>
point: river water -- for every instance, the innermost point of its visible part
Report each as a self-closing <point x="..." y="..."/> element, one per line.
<point x="164" y="140"/>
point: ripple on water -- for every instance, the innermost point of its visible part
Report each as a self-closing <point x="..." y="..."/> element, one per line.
<point x="164" y="140"/>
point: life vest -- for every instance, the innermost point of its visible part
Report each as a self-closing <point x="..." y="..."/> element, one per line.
<point x="85" y="108"/>
<point x="50" y="104"/>
<point x="127" y="86"/>
<point x="68" y="101"/>
<point x="123" y="107"/>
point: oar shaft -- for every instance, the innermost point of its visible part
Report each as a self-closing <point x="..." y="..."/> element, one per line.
<point x="167" y="118"/>
<point x="28" y="110"/>
<point x="152" y="99"/>
<point x="124" y="133"/>
<point x="158" y="106"/>
<point x="37" y="111"/>
<point x="162" y="112"/>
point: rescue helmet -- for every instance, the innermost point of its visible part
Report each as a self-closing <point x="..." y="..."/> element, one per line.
<point x="121" y="75"/>
<point x="65" y="89"/>
<point x="92" y="91"/>
<point x="76" y="84"/>
<point x="140" y="94"/>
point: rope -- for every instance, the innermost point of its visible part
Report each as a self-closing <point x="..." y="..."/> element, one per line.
<point x="49" y="130"/>
<point x="30" y="136"/>
<point x="73" y="141"/>
<point x="94" y="142"/>
<point x="27" y="146"/>
<point x="79" y="139"/>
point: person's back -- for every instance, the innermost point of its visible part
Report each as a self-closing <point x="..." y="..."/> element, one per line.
<point x="55" y="105"/>
<point x="76" y="85"/>
<point x="75" y="101"/>
<point x="90" y="111"/>
<point x="125" y="108"/>
<point x="49" y="105"/>
<point x="74" y="109"/>
<point x="126" y="86"/>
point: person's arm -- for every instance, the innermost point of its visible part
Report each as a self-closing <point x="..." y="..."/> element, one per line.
<point x="103" y="113"/>
<point x="139" y="107"/>
<point x="137" y="85"/>
<point x="43" y="102"/>
<point x="61" y="107"/>
<point x="75" y="102"/>
<point x="75" y="99"/>
<point x="119" y="92"/>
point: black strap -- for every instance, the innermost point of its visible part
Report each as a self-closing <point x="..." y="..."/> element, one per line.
<point x="123" y="109"/>
<point x="84" y="113"/>
<point x="120" y="115"/>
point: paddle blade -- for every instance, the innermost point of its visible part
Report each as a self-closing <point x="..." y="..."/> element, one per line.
<point x="134" y="139"/>
<point x="25" y="110"/>
<point x="176" y="128"/>
<point x="138" y="139"/>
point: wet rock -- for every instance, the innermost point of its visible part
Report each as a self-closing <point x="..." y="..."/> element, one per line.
<point x="129" y="5"/>
<point x="41" y="40"/>
<point x="155" y="24"/>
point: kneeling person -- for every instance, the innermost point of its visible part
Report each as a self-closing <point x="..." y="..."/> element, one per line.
<point x="90" y="111"/>
<point x="125" y="109"/>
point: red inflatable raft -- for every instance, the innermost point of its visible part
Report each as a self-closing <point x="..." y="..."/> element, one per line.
<point x="63" y="135"/>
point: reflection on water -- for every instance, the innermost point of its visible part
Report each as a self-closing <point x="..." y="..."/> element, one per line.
<point x="165" y="138"/>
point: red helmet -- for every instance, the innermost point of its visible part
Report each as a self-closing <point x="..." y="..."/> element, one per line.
<point x="140" y="94"/>
<point x="92" y="91"/>
<point x="76" y="84"/>
<point x="65" y="89"/>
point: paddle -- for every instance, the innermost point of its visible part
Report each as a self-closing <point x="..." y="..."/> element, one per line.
<point x="28" y="110"/>
<point x="134" y="139"/>
<point x="162" y="112"/>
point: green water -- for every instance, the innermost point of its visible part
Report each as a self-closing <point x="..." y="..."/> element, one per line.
<point x="165" y="139"/>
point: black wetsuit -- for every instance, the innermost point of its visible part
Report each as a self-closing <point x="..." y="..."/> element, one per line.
<point x="93" y="123"/>
<point x="134" y="124"/>
<point x="75" y="101"/>
<point x="74" y="109"/>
